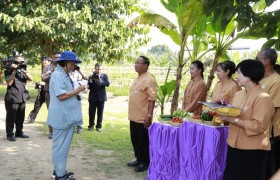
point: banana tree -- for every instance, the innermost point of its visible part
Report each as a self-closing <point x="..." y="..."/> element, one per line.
<point x="187" y="12"/>
<point x="198" y="45"/>
<point x="165" y="91"/>
<point x="222" y="32"/>
<point x="237" y="19"/>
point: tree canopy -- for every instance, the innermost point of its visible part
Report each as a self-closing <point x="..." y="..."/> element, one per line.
<point x="159" y="49"/>
<point x="39" y="27"/>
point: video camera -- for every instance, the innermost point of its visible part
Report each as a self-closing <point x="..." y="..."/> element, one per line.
<point x="15" y="62"/>
<point x="39" y="85"/>
<point x="76" y="67"/>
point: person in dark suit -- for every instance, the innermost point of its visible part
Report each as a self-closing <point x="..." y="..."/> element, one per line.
<point x="97" y="96"/>
<point x="16" y="97"/>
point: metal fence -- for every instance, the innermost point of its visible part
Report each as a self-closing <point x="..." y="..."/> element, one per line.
<point x="126" y="74"/>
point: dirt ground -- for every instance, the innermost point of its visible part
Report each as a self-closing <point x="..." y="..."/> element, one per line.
<point x="30" y="159"/>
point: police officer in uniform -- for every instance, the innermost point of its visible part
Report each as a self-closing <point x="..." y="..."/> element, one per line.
<point x="15" y="98"/>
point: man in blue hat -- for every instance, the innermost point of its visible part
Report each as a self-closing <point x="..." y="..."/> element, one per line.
<point x="65" y="112"/>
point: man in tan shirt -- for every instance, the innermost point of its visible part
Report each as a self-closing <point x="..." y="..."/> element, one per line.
<point x="142" y="97"/>
<point x="271" y="84"/>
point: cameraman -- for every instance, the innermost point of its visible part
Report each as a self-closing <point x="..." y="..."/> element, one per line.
<point x="40" y="99"/>
<point x="97" y="96"/>
<point x="15" y="97"/>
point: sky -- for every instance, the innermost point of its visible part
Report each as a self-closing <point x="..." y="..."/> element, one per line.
<point x="159" y="38"/>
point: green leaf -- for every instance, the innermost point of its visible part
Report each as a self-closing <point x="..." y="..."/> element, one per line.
<point x="269" y="43"/>
<point x="162" y="23"/>
<point x="269" y="2"/>
<point x="170" y="5"/>
<point x="228" y="13"/>
<point x="224" y="56"/>
<point x="277" y="45"/>
<point x="190" y="14"/>
<point x="259" y="6"/>
<point x="271" y="29"/>
<point x="230" y="27"/>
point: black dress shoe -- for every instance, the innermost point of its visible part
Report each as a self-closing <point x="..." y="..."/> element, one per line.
<point x="141" y="168"/>
<point x="70" y="174"/>
<point x="133" y="164"/>
<point x="22" y="135"/>
<point x="11" y="138"/>
<point x="65" y="177"/>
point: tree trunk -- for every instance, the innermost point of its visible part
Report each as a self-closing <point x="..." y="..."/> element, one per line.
<point x="174" y="104"/>
<point x="161" y="109"/>
<point x="213" y="69"/>
<point x="47" y="46"/>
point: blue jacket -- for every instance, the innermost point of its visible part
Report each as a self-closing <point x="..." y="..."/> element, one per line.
<point x="97" y="90"/>
<point x="66" y="113"/>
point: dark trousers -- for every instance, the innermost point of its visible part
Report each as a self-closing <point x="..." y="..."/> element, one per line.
<point x="47" y="97"/>
<point x="274" y="158"/>
<point x="99" y="105"/>
<point x="140" y="142"/>
<point x="245" y="164"/>
<point x="277" y="154"/>
<point x="14" y="115"/>
<point x="37" y="105"/>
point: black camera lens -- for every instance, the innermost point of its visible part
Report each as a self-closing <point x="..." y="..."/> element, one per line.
<point x="76" y="67"/>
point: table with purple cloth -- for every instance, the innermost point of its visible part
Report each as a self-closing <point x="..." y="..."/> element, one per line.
<point x="189" y="152"/>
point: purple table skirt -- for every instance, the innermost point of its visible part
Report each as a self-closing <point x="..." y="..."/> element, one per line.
<point x="190" y="152"/>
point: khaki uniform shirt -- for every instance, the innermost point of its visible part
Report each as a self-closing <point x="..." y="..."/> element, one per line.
<point x="142" y="91"/>
<point x="225" y="91"/>
<point x="46" y="76"/>
<point x="195" y="91"/>
<point x="257" y="111"/>
<point x="271" y="85"/>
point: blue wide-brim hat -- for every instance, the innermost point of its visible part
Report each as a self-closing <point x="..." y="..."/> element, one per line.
<point x="68" y="56"/>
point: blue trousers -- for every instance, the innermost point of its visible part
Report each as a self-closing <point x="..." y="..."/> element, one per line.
<point x="60" y="147"/>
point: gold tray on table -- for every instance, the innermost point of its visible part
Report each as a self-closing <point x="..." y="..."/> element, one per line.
<point x="224" y="110"/>
<point x="208" y="123"/>
<point x="174" y="123"/>
<point x="227" y="110"/>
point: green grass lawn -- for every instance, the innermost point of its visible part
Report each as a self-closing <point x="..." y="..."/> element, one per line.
<point x="114" y="138"/>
